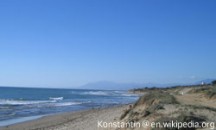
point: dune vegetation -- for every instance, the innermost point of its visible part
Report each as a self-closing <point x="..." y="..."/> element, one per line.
<point x="180" y="103"/>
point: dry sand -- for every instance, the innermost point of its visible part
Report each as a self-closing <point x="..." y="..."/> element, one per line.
<point x="82" y="120"/>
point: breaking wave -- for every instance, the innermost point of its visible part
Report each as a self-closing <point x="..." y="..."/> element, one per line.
<point x="66" y="104"/>
<point x="99" y="93"/>
<point x="56" y="98"/>
<point x="22" y="102"/>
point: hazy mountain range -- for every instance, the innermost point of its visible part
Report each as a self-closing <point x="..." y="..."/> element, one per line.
<point x="108" y="85"/>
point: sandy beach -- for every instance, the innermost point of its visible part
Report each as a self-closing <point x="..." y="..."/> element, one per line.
<point x="184" y="104"/>
<point x="81" y="120"/>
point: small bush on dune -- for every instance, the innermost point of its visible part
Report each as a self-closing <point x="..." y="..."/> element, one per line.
<point x="214" y="82"/>
<point x="153" y="101"/>
<point x="157" y="96"/>
<point x="209" y="92"/>
<point x="155" y="107"/>
<point x="124" y="114"/>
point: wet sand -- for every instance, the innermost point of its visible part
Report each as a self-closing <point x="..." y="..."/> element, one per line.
<point x="81" y="120"/>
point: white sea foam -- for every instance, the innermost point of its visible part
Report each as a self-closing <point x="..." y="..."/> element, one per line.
<point x="96" y="93"/>
<point x="128" y="95"/>
<point x="118" y="91"/>
<point x="56" y="98"/>
<point x="20" y="102"/>
<point x="67" y="104"/>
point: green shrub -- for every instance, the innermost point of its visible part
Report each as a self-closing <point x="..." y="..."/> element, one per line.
<point x="159" y="96"/>
<point x="124" y="114"/>
<point x="214" y="82"/>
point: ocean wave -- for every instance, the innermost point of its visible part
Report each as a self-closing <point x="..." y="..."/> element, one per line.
<point x="118" y="91"/>
<point x="99" y="93"/>
<point x="56" y="98"/>
<point x="128" y="95"/>
<point x="66" y="104"/>
<point x="20" y="102"/>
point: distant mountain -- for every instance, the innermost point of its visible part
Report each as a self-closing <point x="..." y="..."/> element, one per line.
<point x="206" y="81"/>
<point x="107" y="85"/>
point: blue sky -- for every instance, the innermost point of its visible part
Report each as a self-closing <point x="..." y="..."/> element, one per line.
<point x="66" y="43"/>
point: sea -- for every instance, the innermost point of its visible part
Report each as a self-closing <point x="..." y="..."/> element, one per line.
<point x="22" y="104"/>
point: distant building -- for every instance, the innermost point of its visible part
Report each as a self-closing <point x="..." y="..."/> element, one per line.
<point x="203" y="83"/>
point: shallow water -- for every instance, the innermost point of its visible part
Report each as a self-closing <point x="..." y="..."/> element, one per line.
<point x="20" y="104"/>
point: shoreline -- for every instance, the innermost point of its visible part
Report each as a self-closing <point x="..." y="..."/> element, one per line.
<point x="71" y="120"/>
<point x="19" y="120"/>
